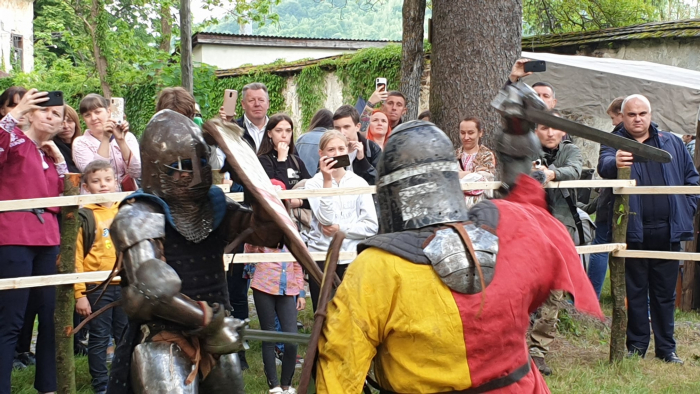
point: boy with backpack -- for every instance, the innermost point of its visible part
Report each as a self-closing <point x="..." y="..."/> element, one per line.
<point x="95" y="252"/>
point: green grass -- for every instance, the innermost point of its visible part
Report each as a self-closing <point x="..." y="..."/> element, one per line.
<point x="579" y="358"/>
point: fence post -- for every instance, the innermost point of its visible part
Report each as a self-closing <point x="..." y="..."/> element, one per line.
<point x="618" y="329"/>
<point x="65" y="298"/>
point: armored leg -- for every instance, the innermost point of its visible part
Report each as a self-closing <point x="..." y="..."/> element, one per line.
<point x="161" y="367"/>
<point x="225" y="377"/>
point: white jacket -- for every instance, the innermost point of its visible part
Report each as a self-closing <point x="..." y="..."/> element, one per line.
<point x="354" y="213"/>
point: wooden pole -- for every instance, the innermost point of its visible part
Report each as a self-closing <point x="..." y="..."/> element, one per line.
<point x="186" y="46"/>
<point x="689" y="291"/>
<point x="65" y="296"/>
<point x="618" y="329"/>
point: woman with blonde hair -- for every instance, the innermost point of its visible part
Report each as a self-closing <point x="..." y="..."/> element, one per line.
<point x="354" y="215"/>
<point x="69" y="132"/>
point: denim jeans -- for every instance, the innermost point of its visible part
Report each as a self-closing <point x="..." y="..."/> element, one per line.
<point x="110" y="323"/>
<point x="15" y="262"/>
<point x="598" y="265"/>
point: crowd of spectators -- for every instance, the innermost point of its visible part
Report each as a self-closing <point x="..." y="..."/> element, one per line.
<point x="44" y="143"/>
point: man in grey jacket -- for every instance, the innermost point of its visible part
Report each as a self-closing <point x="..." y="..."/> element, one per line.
<point x="559" y="160"/>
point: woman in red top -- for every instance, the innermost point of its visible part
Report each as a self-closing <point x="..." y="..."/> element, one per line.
<point x="31" y="166"/>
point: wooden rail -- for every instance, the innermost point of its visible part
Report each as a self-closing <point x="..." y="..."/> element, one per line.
<point x="31" y="203"/>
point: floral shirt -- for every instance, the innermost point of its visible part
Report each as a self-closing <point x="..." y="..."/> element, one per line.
<point x="483" y="160"/>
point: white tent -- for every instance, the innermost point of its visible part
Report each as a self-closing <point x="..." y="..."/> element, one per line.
<point x="585" y="86"/>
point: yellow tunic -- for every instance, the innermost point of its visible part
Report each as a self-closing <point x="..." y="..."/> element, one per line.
<point x="405" y="307"/>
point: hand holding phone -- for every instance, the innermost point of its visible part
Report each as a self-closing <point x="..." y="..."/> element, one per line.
<point x="380" y="84"/>
<point x="116" y="107"/>
<point x="230" y="98"/>
<point x="341" y="161"/>
<point x="55" y="99"/>
<point x="535" y="66"/>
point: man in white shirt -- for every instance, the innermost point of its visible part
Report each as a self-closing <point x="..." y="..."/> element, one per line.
<point x="255" y="102"/>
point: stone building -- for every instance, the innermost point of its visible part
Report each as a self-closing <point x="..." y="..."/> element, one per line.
<point x="16" y="35"/>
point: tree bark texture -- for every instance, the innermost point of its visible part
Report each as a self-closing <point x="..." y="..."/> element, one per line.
<point x="412" y="54"/>
<point x="618" y="329"/>
<point x="186" y="46"/>
<point x="474" y="45"/>
<point x="65" y="296"/>
<point x="97" y="12"/>
<point x="690" y="293"/>
<point x="166" y="27"/>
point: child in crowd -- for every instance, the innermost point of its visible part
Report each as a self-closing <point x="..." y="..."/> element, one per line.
<point x="95" y="252"/>
<point x="354" y="215"/>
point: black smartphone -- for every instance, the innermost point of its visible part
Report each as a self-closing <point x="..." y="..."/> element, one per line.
<point x="55" y="99"/>
<point x="343" y="161"/>
<point x="535" y="66"/>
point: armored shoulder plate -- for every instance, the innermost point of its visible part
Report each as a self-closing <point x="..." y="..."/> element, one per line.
<point x="137" y="222"/>
<point x="453" y="264"/>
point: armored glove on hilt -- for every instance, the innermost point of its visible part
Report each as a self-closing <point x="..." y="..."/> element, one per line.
<point x="222" y="335"/>
<point x="516" y="144"/>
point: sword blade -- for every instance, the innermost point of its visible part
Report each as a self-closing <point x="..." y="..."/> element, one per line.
<point x="275" y="336"/>
<point x="589" y="133"/>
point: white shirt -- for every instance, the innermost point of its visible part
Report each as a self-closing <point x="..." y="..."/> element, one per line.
<point x="355" y="214"/>
<point x="255" y="132"/>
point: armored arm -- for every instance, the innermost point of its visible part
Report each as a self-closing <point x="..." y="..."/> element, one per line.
<point x="153" y="287"/>
<point x="253" y="226"/>
<point x="517" y="143"/>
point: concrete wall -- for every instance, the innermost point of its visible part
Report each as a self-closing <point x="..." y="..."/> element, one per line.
<point x="230" y="56"/>
<point x="683" y="53"/>
<point x="16" y="18"/>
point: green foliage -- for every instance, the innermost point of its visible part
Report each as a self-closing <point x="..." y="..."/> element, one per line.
<point x="359" y="70"/>
<point x="562" y="16"/>
<point x="310" y="83"/>
<point x="352" y="19"/>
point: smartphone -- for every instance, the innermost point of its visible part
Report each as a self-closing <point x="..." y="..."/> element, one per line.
<point x="535" y="66"/>
<point x="230" y="98"/>
<point x="380" y="82"/>
<point x="116" y="107"/>
<point x="55" y="99"/>
<point x="342" y="161"/>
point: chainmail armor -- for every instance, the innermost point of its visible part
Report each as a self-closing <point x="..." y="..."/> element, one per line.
<point x="192" y="211"/>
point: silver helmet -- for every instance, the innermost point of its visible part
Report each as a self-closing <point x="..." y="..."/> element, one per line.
<point x="174" y="160"/>
<point x="418" y="182"/>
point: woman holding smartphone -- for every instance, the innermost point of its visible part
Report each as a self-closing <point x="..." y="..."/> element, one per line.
<point x="354" y="215"/>
<point x="106" y="140"/>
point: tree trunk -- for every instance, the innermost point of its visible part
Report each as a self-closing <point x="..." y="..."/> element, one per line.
<point x="691" y="270"/>
<point x="186" y="46"/>
<point x="618" y="329"/>
<point x="65" y="296"/>
<point x="166" y="27"/>
<point x="474" y="46"/>
<point x="412" y="54"/>
<point x="97" y="33"/>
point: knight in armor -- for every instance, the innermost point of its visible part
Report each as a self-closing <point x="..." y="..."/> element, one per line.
<point x="440" y="300"/>
<point x="171" y="236"/>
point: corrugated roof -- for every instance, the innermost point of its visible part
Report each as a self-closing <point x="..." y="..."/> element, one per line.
<point x="288" y="37"/>
<point x="676" y="29"/>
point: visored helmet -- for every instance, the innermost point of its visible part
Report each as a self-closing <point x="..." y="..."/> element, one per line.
<point x="174" y="167"/>
<point x="418" y="182"/>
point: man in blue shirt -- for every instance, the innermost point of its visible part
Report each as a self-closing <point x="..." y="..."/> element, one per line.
<point x="658" y="222"/>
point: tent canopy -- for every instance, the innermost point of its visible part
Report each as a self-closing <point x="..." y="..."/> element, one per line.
<point x="586" y="86"/>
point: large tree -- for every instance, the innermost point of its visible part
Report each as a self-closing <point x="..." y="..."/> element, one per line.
<point x="474" y="44"/>
<point x="412" y="54"/>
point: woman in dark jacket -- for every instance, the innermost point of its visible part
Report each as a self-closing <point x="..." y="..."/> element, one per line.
<point x="64" y="139"/>
<point x="278" y="157"/>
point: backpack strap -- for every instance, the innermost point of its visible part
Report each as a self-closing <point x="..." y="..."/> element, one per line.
<point x="87" y="225"/>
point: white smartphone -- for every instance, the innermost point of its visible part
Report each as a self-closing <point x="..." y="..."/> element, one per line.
<point x="380" y="82"/>
<point x="116" y="106"/>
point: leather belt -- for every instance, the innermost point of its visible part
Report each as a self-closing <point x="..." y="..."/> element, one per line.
<point x="494" y="384"/>
<point x="36" y="211"/>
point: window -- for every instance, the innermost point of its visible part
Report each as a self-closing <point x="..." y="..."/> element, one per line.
<point x="17" y="57"/>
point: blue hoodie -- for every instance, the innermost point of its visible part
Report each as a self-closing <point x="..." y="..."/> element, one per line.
<point x="679" y="172"/>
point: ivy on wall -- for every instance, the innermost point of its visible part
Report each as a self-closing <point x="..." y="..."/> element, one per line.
<point x="356" y="71"/>
<point x="310" y="88"/>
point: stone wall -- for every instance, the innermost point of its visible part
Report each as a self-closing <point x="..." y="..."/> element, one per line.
<point x="16" y="18"/>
